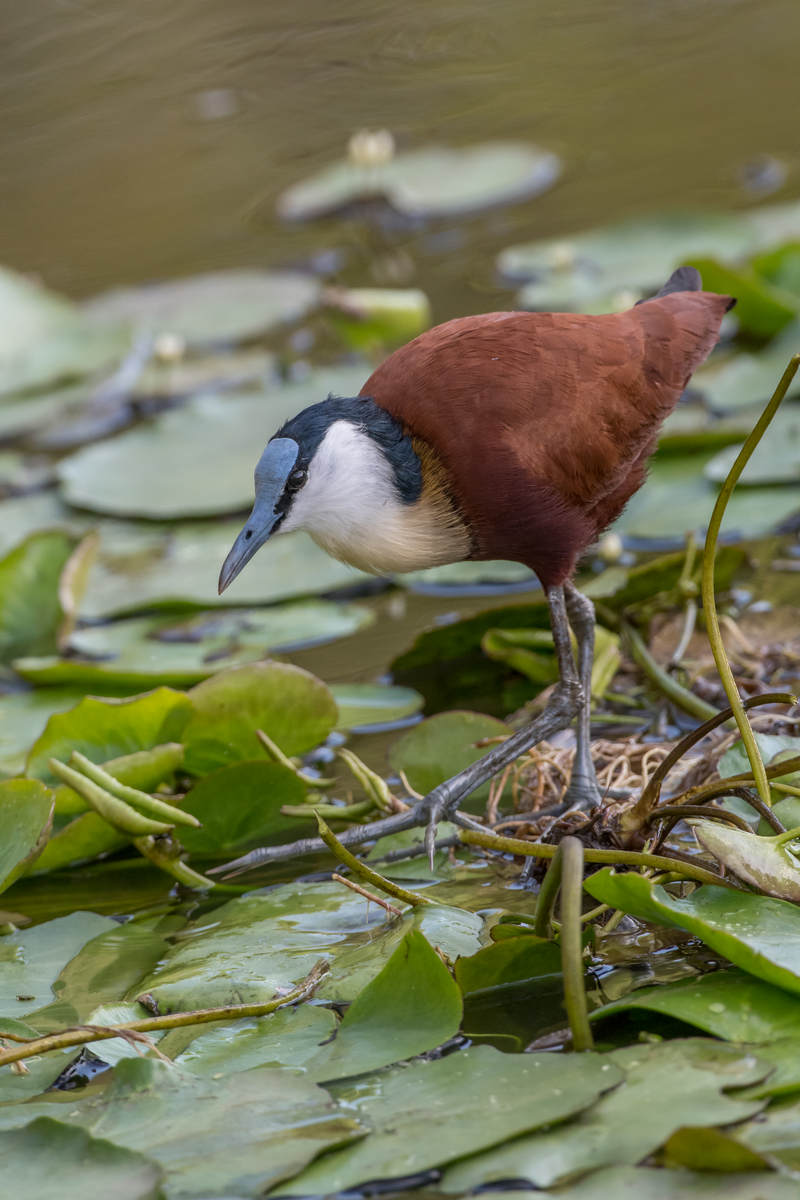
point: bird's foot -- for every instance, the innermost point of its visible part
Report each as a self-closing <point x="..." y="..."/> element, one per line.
<point x="583" y="793"/>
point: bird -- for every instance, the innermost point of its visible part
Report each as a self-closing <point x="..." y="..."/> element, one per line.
<point x="506" y="435"/>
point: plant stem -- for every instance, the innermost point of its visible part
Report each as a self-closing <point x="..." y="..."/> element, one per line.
<point x="709" y="601"/>
<point x="546" y="899"/>
<point x="366" y="873"/>
<point x="626" y="858"/>
<point x="97" y="1033"/>
<point x="571" y="849"/>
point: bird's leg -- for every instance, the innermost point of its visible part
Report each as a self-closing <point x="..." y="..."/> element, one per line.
<point x="583" y="791"/>
<point x="564" y="705"/>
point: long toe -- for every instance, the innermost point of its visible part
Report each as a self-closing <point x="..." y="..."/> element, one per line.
<point x="583" y="793"/>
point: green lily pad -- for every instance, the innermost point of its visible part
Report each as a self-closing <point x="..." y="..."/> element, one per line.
<point x="286" y="1038"/>
<point x="433" y="182"/>
<point x="223" y="306"/>
<point x="204" y="373"/>
<point x="765" y="863"/>
<point x="53" y="1161"/>
<point x="26" y="814"/>
<point x="22" y="718"/>
<point x="30" y="605"/>
<point x="511" y="960"/>
<point x="776" y="1133"/>
<point x="649" y="1183"/>
<point x="291" y="705"/>
<point x="143" y="652"/>
<point x="757" y="933"/>
<point x="750" y="379"/>
<point x="638" y="254"/>
<point x="776" y="458"/>
<point x="255" y="1129"/>
<point x="161" y="468"/>
<point x="727" y="1004"/>
<point x="411" y="1111"/>
<point x="363" y="705"/>
<point x="105" y="729"/>
<point x="439" y="747"/>
<point x="33" y="958"/>
<point x="762" y="310"/>
<point x="665" y="1086"/>
<point x="677" y="499"/>
<point x="240" y="806"/>
<point x="148" y="567"/>
<point x="411" y="1006"/>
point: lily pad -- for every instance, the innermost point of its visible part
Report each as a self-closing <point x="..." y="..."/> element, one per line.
<point x="776" y="458"/>
<point x="30" y="606"/>
<point x="757" y="933"/>
<point x="727" y="1004"/>
<point x="291" y="705"/>
<point x="364" y="706"/>
<point x="286" y="1038"/>
<point x="766" y="863"/>
<point x="210" y="445"/>
<point x="144" y="652"/>
<point x="750" y="379"/>
<point x="21" y="516"/>
<point x="649" y="1183"/>
<point x="223" y="306"/>
<point x="23" y="716"/>
<point x="255" y="1129"/>
<point x="411" y="1006"/>
<point x="666" y="1085"/>
<point x="104" y="729"/>
<point x="428" y="1113"/>
<point x="639" y="254"/>
<point x="26" y="814"/>
<point x="776" y="1133"/>
<point x="240" y="806"/>
<point x="439" y="747"/>
<point x="53" y="1161"/>
<point x="432" y="182"/>
<point x="511" y="960"/>
<point x="33" y="959"/>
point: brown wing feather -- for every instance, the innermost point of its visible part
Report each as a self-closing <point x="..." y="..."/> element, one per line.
<point x="544" y="421"/>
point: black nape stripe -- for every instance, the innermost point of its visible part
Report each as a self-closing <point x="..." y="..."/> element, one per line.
<point x="309" y="427"/>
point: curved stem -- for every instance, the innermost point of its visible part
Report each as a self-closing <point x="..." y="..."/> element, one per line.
<point x="707" y="587"/>
<point x="545" y="901"/>
<point x="366" y="873"/>
<point x="571" y="849"/>
<point x="620" y="858"/>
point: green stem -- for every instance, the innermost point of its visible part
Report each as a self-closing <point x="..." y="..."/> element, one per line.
<point x="709" y="602"/>
<point x="99" y="1033"/>
<point x="366" y="873"/>
<point x="571" y="943"/>
<point x="546" y="899"/>
<point x="626" y="858"/>
<point x="662" y="679"/>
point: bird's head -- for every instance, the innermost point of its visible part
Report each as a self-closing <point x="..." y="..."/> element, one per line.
<point x="350" y="475"/>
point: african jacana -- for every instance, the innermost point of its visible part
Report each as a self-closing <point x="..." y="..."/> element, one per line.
<point x="512" y="435"/>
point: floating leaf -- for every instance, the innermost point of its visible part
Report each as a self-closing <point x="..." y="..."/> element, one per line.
<point x="240" y="806"/>
<point x="443" y="745"/>
<point x="223" y="306"/>
<point x="291" y="705"/>
<point x="53" y="1161"/>
<point x="508" y="961"/>
<point x="364" y="705"/>
<point x="411" y="1006"/>
<point x="135" y="474"/>
<point x="637" y="254"/>
<point x="30" y="607"/>
<point x="26" y="814"/>
<point x="776" y="459"/>
<point x="766" y="863"/>
<point x="24" y="515"/>
<point x="649" y="1183"/>
<point x="105" y="729"/>
<point x="33" y="958"/>
<point x="748" y="380"/>
<point x="666" y="1085"/>
<point x="23" y="716"/>
<point x="286" y="1038"/>
<point x="757" y="933"/>
<point x="144" y="652"/>
<point x="776" y="1133"/>
<point x="494" y="1096"/>
<point x="728" y="1004"/>
<point x="433" y="182"/>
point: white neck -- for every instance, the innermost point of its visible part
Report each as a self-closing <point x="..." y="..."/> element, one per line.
<point x="351" y="507"/>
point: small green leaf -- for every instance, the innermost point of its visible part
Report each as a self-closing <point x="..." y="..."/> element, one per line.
<point x="411" y="1006"/>
<point x="30" y="608"/>
<point x="757" y="933"/>
<point x="240" y="806"/>
<point x="296" y="709"/>
<point x="510" y="960"/>
<point x="26" y="814"/>
<point x="439" y="747"/>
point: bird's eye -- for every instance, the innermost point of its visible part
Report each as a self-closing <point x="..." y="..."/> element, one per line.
<point x="296" y="479"/>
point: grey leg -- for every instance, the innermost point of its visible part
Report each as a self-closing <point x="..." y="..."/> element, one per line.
<point x="583" y="791"/>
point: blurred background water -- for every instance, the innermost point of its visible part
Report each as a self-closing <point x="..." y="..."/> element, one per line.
<point x="148" y="140"/>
